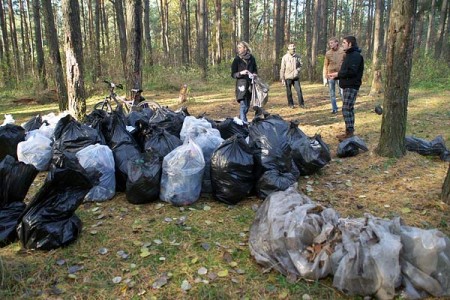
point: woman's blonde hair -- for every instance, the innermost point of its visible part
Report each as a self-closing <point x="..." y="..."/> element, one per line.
<point x="246" y="45"/>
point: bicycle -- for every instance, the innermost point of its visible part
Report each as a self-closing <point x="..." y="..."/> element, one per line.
<point x="113" y="102"/>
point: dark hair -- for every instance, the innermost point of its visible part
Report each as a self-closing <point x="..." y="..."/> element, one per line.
<point x="352" y="40"/>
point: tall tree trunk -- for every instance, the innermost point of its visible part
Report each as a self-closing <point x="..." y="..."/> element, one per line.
<point x="118" y="7"/>
<point x="54" y="54"/>
<point x="369" y="39"/>
<point x="322" y="45"/>
<point x="333" y="26"/>
<point x="148" y="38"/>
<point x="430" y="31"/>
<point x="96" y="43"/>
<point x="26" y="48"/>
<point x="445" y="195"/>
<point x="6" y="65"/>
<point x="246" y="20"/>
<point x="276" y="37"/>
<point x="234" y="35"/>
<point x="376" y="87"/>
<point x="386" y="25"/>
<point x="134" y="34"/>
<point x="15" y="45"/>
<point x="308" y="35"/>
<point x="30" y="37"/>
<point x="184" y="33"/>
<point x="287" y="23"/>
<point x="165" y="27"/>
<point x="281" y="36"/>
<point x="315" y="40"/>
<point x="441" y="30"/>
<point x="398" y="70"/>
<point x="74" y="59"/>
<point x="202" y="48"/>
<point x="419" y="29"/>
<point x="219" y="31"/>
<point x="40" y="63"/>
<point x="105" y="28"/>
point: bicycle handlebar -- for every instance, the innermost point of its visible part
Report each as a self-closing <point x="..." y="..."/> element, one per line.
<point x="113" y="85"/>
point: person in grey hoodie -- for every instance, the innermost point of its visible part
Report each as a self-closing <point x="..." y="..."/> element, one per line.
<point x="350" y="79"/>
<point x="290" y="75"/>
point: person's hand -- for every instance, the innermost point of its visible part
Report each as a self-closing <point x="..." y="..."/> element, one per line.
<point x="283" y="83"/>
<point x="332" y="75"/>
<point x="325" y="81"/>
<point x="244" y="72"/>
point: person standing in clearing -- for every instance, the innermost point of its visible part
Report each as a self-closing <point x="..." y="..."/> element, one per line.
<point x="350" y="78"/>
<point x="290" y="75"/>
<point x="243" y="69"/>
<point x="332" y="63"/>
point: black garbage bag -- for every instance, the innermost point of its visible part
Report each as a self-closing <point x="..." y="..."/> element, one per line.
<point x="96" y="119"/>
<point x="273" y="181"/>
<point x="144" y="176"/>
<point x="10" y="136"/>
<point x="269" y="142"/>
<point x="9" y="218"/>
<point x="351" y="146"/>
<point x="124" y="149"/>
<point x="15" y="180"/>
<point x="168" y="120"/>
<point x="294" y="132"/>
<point x="310" y="154"/>
<point x="229" y="127"/>
<point x="33" y="123"/>
<point x="136" y="117"/>
<point x="232" y="177"/>
<point x="161" y="141"/>
<point x="49" y="221"/>
<point x="70" y="137"/>
<point x="434" y="148"/>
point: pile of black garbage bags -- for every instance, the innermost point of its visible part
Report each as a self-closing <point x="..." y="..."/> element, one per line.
<point x="149" y="155"/>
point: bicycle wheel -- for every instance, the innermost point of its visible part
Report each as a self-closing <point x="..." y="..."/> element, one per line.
<point x="104" y="105"/>
<point x="149" y="104"/>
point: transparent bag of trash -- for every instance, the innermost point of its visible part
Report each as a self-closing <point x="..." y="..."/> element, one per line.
<point x="367" y="261"/>
<point x="425" y="261"/>
<point x="293" y="235"/>
<point x="100" y="158"/>
<point x="182" y="173"/>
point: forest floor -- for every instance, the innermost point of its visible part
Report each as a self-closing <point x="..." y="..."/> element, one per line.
<point x="161" y="255"/>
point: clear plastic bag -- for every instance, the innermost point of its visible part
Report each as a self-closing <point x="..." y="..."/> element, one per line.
<point x="182" y="173"/>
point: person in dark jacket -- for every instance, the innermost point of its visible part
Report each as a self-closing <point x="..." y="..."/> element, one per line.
<point x="350" y="76"/>
<point x="243" y="69"/>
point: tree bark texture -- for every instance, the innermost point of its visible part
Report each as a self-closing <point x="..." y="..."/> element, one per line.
<point x="40" y="62"/>
<point x="148" y="38"/>
<point x="398" y="69"/>
<point x="15" y="44"/>
<point x="74" y="59"/>
<point x="134" y="33"/>
<point x="246" y="20"/>
<point x="121" y="27"/>
<point x="377" y="87"/>
<point x="430" y="28"/>
<point x="441" y="30"/>
<point x="54" y="54"/>
<point x="219" y="45"/>
<point x="6" y="67"/>
<point x="445" y="195"/>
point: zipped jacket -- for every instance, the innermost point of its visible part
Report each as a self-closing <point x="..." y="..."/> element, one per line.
<point x="351" y="72"/>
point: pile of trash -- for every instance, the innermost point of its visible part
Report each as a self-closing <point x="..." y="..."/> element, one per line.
<point x="149" y="155"/>
<point x="366" y="256"/>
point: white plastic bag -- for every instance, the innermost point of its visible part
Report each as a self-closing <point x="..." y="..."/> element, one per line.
<point x="35" y="150"/>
